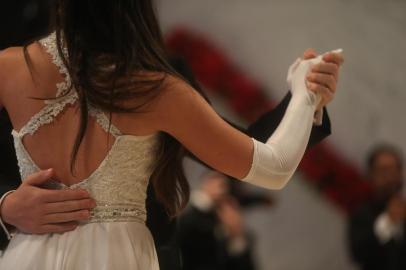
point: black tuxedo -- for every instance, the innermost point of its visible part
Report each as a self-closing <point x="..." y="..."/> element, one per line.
<point x="205" y="247"/>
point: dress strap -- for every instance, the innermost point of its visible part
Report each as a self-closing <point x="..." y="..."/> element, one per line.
<point x="47" y="114"/>
<point x="65" y="95"/>
<point x="104" y="121"/>
<point x="50" y="45"/>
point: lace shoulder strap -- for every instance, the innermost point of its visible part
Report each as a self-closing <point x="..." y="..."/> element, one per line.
<point x="65" y="95"/>
<point x="49" y="43"/>
<point x="47" y="114"/>
<point x="104" y="121"/>
<point x="62" y="98"/>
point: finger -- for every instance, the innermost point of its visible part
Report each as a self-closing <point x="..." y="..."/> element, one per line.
<point x="326" y="68"/>
<point x="309" y="54"/>
<point x="52" y="196"/>
<point x="39" y="178"/>
<point x="67" y="217"/>
<point x="70" y="206"/>
<point x="336" y="58"/>
<point x="323" y="91"/>
<point x="58" y="228"/>
<point x="323" y="79"/>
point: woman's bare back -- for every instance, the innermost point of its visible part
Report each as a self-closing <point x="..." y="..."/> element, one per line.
<point x="51" y="145"/>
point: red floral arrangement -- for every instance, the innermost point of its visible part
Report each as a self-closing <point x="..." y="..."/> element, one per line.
<point x="321" y="166"/>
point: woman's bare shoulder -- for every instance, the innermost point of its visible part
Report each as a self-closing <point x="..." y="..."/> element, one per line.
<point x="173" y="91"/>
<point x="11" y="60"/>
<point x="177" y="93"/>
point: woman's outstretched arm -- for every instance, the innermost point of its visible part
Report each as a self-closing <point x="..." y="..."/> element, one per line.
<point x="185" y="115"/>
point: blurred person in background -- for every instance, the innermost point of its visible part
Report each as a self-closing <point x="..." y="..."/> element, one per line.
<point x="212" y="235"/>
<point x="377" y="229"/>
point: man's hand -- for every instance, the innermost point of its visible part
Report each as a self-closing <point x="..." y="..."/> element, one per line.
<point x="323" y="77"/>
<point x="32" y="209"/>
<point x="396" y="209"/>
<point x="230" y="217"/>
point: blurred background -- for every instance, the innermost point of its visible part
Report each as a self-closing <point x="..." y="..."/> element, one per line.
<point x="239" y="51"/>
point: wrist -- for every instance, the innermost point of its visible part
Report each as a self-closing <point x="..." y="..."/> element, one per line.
<point x="4" y="203"/>
<point x="318" y="116"/>
<point x="237" y="245"/>
<point x="305" y="97"/>
<point x="3" y="217"/>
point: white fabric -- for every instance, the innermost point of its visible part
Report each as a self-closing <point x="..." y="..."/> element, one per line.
<point x="3" y="226"/>
<point x="385" y="229"/>
<point x="201" y="201"/>
<point x="318" y="117"/>
<point x="116" y="236"/>
<point x="95" y="246"/>
<point x="275" y="161"/>
<point x="237" y="245"/>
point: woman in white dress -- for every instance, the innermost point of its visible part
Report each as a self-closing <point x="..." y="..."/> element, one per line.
<point x="97" y="102"/>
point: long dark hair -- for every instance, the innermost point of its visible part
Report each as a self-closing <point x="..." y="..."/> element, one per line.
<point x="110" y="45"/>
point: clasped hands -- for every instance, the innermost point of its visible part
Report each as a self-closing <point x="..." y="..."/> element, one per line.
<point x="318" y="74"/>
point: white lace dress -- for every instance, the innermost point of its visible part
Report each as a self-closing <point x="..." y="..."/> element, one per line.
<point x="116" y="236"/>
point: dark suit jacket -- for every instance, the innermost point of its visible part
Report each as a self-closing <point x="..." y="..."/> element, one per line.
<point x="204" y="246"/>
<point x="365" y="247"/>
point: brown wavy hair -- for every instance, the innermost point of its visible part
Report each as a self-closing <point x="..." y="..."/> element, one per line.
<point x="107" y="46"/>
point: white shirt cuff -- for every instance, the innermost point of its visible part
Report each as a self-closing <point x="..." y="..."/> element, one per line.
<point x="237" y="245"/>
<point x="3" y="226"/>
<point x="385" y="229"/>
<point x="318" y="117"/>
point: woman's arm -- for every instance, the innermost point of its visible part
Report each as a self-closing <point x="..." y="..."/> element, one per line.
<point x="184" y="114"/>
<point x="2" y="75"/>
<point x="10" y="62"/>
<point x="266" y="124"/>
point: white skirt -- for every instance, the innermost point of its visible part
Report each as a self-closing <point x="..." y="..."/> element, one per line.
<point x="92" y="246"/>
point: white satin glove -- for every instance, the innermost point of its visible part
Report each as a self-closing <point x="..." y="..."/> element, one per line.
<point x="275" y="161"/>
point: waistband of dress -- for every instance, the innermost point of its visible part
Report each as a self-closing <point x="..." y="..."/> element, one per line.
<point x="117" y="213"/>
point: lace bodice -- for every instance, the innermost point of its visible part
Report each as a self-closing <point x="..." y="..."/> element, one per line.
<point x="119" y="183"/>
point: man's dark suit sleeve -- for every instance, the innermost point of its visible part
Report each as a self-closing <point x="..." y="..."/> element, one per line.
<point x="9" y="175"/>
<point x="263" y="128"/>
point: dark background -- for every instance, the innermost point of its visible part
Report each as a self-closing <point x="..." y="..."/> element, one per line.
<point x="22" y="20"/>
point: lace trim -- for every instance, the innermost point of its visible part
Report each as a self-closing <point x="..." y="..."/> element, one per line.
<point x="104" y="122"/>
<point x="50" y="45"/>
<point x="47" y="114"/>
<point x="63" y="97"/>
